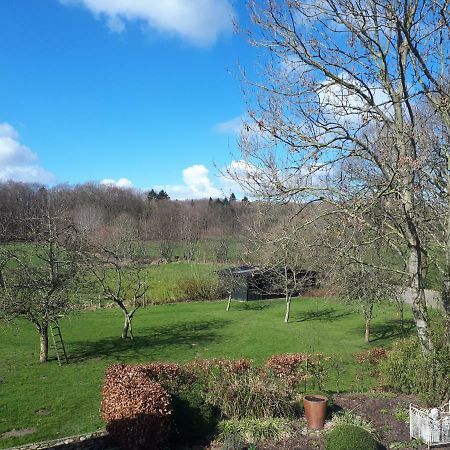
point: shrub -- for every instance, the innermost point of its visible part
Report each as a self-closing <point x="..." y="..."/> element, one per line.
<point x="250" y="393"/>
<point x="289" y="368"/>
<point x="171" y="376"/>
<point x="345" y="437"/>
<point x="203" y="368"/>
<point x="200" y="289"/>
<point x="373" y="356"/>
<point x="316" y="370"/>
<point x="137" y="411"/>
<point x="255" y="430"/>
<point x="193" y="418"/>
<point x="407" y="370"/>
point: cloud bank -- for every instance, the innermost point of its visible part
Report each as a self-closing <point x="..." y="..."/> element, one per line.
<point x="197" y="21"/>
<point x="17" y="161"/>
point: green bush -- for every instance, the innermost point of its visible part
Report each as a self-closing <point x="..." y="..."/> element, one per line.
<point x="407" y="370"/>
<point x="193" y="419"/>
<point x="255" y="430"/>
<point x="346" y="437"/>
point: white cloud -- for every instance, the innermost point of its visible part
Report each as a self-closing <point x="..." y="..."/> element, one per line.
<point x="197" y="179"/>
<point x="120" y="183"/>
<point x="198" y="183"/>
<point x="17" y="161"/>
<point x="198" y="21"/>
<point x="232" y="126"/>
<point x="349" y="108"/>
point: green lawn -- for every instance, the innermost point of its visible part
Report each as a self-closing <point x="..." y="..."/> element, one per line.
<point x="164" y="282"/>
<point x="61" y="401"/>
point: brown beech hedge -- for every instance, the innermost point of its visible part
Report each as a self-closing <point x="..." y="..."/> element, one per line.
<point x="137" y="411"/>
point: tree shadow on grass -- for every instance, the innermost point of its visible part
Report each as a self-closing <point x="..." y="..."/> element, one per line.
<point x="253" y="305"/>
<point x="328" y="314"/>
<point x="178" y="337"/>
<point x="391" y="329"/>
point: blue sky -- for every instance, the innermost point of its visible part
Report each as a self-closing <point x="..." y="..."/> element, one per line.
<point x="138" y="90"/>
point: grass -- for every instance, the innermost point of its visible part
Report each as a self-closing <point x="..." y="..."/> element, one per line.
<point x="60" y="401"/>
<point x="206" y="249"/>
<point x="163" y="282"/>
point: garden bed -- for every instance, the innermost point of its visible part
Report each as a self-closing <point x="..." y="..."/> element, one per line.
<point x="387" y="413"/>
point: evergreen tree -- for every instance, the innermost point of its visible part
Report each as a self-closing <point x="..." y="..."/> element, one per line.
<point x="162" y="195"/>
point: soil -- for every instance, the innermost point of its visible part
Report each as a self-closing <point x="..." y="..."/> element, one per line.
<point x="379" y="408"/>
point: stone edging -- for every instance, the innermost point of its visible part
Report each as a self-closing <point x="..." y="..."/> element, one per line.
<point x="91" y="441"/>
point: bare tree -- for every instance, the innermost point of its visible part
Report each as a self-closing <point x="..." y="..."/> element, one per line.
<point x="38" y="280"/>
<point x="364" y="287"/>
<point x="121" y="280"/>
<point x="286" y="252"/>
<point x="163" y="226"/>
<point x="336" y="117"/>
<point x="192" y="226"/>
<point x="122" y="283"/>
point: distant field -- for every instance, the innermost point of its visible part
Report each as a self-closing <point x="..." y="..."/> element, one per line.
<point x="60" y="401"/>
<point x="164" y="282"/>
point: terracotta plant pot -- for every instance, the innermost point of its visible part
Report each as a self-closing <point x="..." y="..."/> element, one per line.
<point x="315" y="410"/>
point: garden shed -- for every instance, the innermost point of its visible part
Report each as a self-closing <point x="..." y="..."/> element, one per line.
<point x="257" y="283"/>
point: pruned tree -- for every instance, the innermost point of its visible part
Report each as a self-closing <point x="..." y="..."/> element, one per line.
<point x="38" y="280"/>
<point x="341" y="115"/>
<point x="119" y="278"/>
<point x="122" y="283"/>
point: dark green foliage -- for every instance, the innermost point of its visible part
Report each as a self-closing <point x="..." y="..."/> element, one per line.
<point x="346" y="437"/>
<point x="193" y="419"/>
<point x="161" y="195"/>
<point x="407" y="370"/>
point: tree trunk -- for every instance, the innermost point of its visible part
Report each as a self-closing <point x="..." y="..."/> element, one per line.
<point x="402" y="318"/>
<point x="446" y="303"/>
<point x="446" y="283"/>
<point x="127" y="327"/>
<point x="419" y="305"/>
<point x="367" y="334"/>
<point x="229" y="302"/>
<point x="43" y="341"/>
<point x="288" y="309"/>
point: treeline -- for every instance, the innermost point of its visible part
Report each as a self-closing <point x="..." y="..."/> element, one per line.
<point x="144" y="216"/>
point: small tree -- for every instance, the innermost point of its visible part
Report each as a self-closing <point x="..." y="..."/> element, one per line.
<point x="284" y="250"/>
<point x="363" y="286"/>
<point x="120" y="282"/>
<point x="38" y="279"/>
<point x="110" y="262"/>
